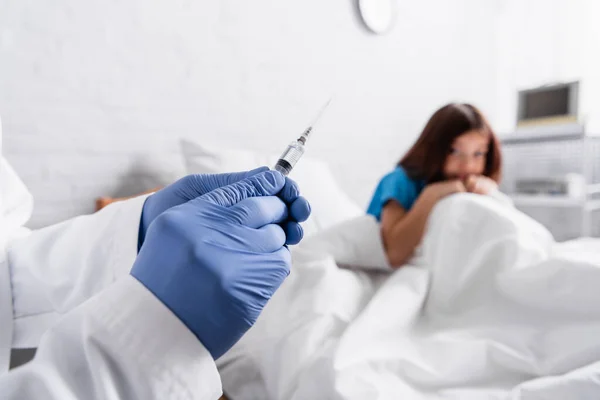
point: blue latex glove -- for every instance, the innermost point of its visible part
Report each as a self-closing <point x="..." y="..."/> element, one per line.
<point x="216" y="260"/>
<point x="192" y="186"/>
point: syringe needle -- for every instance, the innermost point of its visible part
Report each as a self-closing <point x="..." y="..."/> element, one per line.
<point x="308" y="130"/>
<point x="295" y="150"/>
<point x="321" y="112"/>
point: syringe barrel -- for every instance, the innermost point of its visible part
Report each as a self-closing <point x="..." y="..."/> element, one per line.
<point x="289" y="158"/>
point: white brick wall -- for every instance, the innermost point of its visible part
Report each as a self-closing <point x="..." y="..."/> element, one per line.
<point x="94" y="94"/>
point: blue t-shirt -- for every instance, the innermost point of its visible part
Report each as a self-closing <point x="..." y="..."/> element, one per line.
<point x="396" y="185"/>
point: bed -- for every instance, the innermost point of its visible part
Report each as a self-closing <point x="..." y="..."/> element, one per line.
<point x="490" y="307"/>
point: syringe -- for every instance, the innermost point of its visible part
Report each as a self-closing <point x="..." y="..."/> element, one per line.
<point x="295" y="150"/>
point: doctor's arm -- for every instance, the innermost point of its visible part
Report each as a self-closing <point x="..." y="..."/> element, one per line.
<point x="121" y="344"/>
<point x="203" y="274"/>
<point x="57" y="268"/>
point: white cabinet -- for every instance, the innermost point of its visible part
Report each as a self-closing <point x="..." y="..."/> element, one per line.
<point x="538" y="156"/>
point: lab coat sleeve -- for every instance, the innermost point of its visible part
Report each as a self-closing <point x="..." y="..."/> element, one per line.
<point x="121" y="344"/>
<point x="55" y="269"/>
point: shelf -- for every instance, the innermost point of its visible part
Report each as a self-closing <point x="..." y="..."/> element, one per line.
<point x="555" y="201"/>
<point x="548" y="201"/>
<point x="592" y="205"/>
<point x="593" y="188"/>
<point x="519" y="138"/>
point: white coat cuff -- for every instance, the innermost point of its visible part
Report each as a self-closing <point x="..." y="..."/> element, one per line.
<point x="167" y="351"/>
<point x="124" y="246"/>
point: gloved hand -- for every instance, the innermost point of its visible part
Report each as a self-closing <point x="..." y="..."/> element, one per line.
<point x="216" y="260"/>
<point x="192" y="186"/>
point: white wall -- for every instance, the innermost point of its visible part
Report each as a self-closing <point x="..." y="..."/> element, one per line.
<point x="94" y="94"/>
<point x="545" y="41"/>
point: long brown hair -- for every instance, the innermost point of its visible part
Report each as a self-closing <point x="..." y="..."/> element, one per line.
<point x="426" y="159"/>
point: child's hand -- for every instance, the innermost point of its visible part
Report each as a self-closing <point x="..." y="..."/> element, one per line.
<point x="480" y="184"/>
<point x="439" y="190"/>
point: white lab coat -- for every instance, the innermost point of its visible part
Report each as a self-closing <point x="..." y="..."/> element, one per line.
<point x="100" y="334"/>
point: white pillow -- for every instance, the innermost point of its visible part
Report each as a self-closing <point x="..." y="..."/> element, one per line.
<point x="330" y="205"/>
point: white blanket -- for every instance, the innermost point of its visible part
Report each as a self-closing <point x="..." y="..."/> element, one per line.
<point x="492" y="309"/>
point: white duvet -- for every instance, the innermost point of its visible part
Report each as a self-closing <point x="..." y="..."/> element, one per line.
<point x="492" y="308"/>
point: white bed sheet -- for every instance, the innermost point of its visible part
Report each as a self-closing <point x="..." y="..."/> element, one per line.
<point x="493" y="309"/>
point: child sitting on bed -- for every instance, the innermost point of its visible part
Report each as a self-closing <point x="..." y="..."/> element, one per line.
<point x="456" y="152"/>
